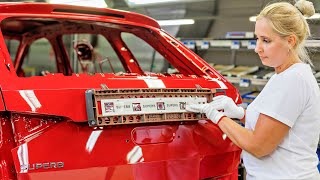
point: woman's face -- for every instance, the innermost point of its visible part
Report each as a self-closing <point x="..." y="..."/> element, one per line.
<point x="272" y="49"/>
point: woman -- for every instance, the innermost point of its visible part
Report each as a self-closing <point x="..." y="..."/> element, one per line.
<point x="282" y="124"/>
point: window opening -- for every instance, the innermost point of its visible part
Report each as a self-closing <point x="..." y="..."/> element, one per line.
<point x="149" y="59"/>
<point x="92" y="54"/>
<point x="40" y="59"/>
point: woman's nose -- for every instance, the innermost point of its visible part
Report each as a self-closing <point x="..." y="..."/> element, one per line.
<point x="258" y="48"/>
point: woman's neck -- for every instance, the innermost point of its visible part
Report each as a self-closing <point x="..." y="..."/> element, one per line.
<point x="293" y="60"/>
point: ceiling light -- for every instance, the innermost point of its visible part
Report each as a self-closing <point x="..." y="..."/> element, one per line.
<point x="253" y="18"/>
<point x="175" y="22"/>
<point x="91" y="3"/>
<point x="315" y="16"/>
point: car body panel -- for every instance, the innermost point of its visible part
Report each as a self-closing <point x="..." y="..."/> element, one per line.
<point x="126" y="159"/>
<point x="45" y="95"/>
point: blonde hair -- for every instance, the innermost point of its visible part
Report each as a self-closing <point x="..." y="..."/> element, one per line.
<point x="286" y="19"/>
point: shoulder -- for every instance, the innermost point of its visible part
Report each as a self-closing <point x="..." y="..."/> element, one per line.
<point x="298" y="75"/>
<point x="288" y="84"/>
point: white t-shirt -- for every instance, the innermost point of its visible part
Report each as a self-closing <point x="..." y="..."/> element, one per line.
<point x="293" y="98"/>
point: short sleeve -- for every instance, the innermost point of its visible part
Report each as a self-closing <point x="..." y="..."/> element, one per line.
<point x="284" y="99"/>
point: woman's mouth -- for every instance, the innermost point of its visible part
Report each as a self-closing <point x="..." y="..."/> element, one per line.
<point x="262" y="57"/>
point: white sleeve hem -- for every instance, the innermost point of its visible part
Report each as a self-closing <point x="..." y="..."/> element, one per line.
<point x="275" y="116"/>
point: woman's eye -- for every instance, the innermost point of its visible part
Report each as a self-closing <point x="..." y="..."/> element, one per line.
<point x="266" y="40"/>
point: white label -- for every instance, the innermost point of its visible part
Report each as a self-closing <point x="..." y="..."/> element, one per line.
<point x="154" y="83"/>
<point x="112" y="107"/>
<point x="252" y="44"/>
<point x="244" y="82"/>
<point x="31" y="99"/>
<point x="235" y="45"/>
<point x="190" y="44"/>
<point x="204" y="45"/>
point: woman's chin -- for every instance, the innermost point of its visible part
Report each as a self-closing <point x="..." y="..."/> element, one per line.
<point x="267" y="64"/>
<point x="264" y="63"/>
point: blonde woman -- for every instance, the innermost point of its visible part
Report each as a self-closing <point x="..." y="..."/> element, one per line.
<point x="282" y="124"/>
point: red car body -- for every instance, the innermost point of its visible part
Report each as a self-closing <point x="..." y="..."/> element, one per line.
<point x="44" y="124"/>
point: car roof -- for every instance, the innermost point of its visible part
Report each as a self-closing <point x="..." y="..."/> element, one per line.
<point x="45" y="10"/>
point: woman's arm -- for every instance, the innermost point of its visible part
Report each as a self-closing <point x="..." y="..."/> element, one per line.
<point x="243" y="120"/>
<point x="268" y="134"/>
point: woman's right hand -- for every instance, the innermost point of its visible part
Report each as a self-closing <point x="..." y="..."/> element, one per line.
<point x="228" y="106"/>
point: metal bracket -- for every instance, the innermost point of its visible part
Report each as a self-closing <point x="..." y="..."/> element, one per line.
<point x="89" y="106"/>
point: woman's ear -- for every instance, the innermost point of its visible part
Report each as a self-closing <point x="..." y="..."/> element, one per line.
<point x="292" y="40"/>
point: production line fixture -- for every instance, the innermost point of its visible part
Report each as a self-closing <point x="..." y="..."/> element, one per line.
<point x="240" y="71"/>
<point x="131" y="106"/>
<point x="261" y="73"/>
<point x="221" y="68"/>
<point x="248" y="97"/>
<point x="245" y="75"/>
